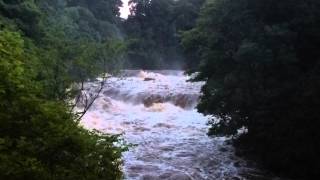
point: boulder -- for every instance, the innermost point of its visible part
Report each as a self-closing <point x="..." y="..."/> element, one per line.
<point x="149" y="79"/>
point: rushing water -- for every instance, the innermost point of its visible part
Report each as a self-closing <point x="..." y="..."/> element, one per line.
<point x="156" y="111"/>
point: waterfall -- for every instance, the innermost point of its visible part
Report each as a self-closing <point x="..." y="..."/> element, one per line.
<point x="155" y="110"/>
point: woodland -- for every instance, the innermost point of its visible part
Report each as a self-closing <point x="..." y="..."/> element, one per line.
<point x="260" y="61"/>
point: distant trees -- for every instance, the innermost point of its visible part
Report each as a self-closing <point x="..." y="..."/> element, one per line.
<point x="45" y="48"/>
<point x="261" y="64"/>
<point x="79" y="19"/>
<point x="77" y="41"/>
<point x="153" y="31"/>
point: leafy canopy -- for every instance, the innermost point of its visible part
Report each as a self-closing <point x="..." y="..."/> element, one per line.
<point x="261" y="64"/>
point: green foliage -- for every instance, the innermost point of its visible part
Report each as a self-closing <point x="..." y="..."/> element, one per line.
<point x="153" y="30"/>
<point x="73" y="47"/>
<point x="95" y="20"/>
<point x="24" y="14"/>
<point x="261" y="64"/>
<point x="39" y="139"/>
<point x="46" y="47"/>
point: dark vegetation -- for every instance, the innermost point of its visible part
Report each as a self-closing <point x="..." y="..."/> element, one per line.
<point x="154" y="28"/>
<point x="261" y="64"/>
<point x="259" y="59"/>
<point x="45" y="47"/>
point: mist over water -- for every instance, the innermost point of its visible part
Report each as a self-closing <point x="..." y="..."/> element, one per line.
<point x="156" y="111"/>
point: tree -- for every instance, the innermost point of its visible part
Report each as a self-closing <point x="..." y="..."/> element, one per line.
<point x="260" y="61"/>
<point x="40" y="135"/>
<point x="39" y="139"/>
<point x="153" y="31"/>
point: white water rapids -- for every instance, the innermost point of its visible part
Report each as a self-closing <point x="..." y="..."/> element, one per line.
<point x="156" y="111"/>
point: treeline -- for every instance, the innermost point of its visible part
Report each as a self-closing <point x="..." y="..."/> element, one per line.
<point x="47" y="46"/>
<point x="153" y="32"/>
<point x="261" y="64"/>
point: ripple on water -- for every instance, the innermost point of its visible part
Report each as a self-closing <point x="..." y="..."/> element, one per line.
<point x="158" y="115"/>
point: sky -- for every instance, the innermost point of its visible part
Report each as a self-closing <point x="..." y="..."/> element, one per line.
<point x="125" y="9"/>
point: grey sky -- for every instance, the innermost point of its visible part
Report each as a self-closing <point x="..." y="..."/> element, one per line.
<point x="125" y="9"/>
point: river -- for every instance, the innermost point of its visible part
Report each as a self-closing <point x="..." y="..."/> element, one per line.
<point x="155" y="110"/>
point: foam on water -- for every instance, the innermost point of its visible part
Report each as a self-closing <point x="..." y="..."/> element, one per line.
<point x="156" y="111"/>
